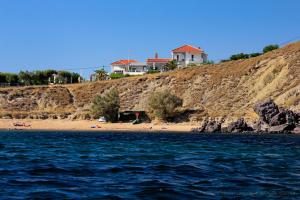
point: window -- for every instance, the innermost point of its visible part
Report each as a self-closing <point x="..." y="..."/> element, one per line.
<point x="177" y="57"/>
<point x="192" y="57"/>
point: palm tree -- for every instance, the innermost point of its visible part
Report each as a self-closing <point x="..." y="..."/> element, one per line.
<point x="100" y="74"/>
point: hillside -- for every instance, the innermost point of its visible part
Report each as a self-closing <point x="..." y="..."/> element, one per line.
<point x="222" y="90"/>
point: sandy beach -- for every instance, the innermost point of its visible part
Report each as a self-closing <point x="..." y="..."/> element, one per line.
<point x="81" y="125"/>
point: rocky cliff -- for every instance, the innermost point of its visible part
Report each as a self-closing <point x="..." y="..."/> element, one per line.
<point x="227" y="90"/>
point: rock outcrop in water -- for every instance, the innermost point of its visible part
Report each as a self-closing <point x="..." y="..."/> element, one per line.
<point x="238" y="127"/>
<point x="274" y="119"/>
<point x="209" y="126"/>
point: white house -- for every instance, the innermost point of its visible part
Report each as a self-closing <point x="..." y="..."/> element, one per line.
<point x="130" y="67"/>
<point x="188" y="54"/>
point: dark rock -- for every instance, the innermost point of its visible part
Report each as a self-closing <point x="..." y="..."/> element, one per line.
<point x="296" y="130"/>
<point x="281" y="128"/>
<point x="274" y="119"/>
<point x="239" y="126"/>
<point x="224" y="130"/>
<point x="43" y="116"/>
<point x="211" y="126"/>
<point x="297" y="114"/>
<point x="266" y="110"/>
<point x="283" y="117"/>
<point x="261" y="126"/>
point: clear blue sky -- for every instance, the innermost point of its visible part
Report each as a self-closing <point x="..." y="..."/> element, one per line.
<point x="60" y="34"/>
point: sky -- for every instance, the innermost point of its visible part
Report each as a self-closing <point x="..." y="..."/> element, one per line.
<point x="72" y="34"/>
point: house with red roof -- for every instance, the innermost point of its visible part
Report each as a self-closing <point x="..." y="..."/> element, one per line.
<point x="130" y="67"/>
<point x="157" y="63"/>
<point x="188" y="54"/>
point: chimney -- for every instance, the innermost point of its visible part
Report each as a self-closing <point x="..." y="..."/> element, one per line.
<point x="156" y="55"/>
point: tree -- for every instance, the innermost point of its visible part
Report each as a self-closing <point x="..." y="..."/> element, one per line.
<point x="163" y="105"/>
<point x="101" y="75"/>
<point x="25" y="77"/>
<point x="2" y="78"/>
<point x="107" y="105"/>
<point x="171" y="65"/>
<point x="270" y="48"/>
<point x="11" y="78"/>
<point x="75" y="77"/>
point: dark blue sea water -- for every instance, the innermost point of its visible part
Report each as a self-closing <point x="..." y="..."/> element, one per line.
<point x="83" y="165"/>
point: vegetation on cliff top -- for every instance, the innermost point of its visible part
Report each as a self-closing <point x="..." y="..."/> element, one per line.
<point x="241" y="56"/>
<point x="39" y="77"/>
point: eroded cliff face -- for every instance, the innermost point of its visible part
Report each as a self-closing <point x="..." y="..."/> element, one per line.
<point x="227" y="90"/>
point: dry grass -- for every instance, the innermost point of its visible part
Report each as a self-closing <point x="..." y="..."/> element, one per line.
<point x="223" y="90"/>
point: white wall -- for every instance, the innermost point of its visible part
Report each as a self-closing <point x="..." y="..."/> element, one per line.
<point x="187" y="57"/>
<point x="125" y="67"/>
<point x="117" y="68"/>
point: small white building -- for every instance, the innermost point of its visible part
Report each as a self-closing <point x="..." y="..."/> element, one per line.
<point x="188" y="54"/>
<point x="130" y="67"/>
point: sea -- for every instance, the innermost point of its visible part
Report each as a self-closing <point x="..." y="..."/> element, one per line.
<point x="122" y="165"/>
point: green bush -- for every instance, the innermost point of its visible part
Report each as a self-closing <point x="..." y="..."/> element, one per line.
<point x="171" y="65"/>
<point x="270" y="48"/>
<point x="222" y="61"/>
<point x="2" y="78"/>
<point x="106" y="105"/>
<point x="117" y="75"/>
<point x="239" y="56"/>
<point x="153" y="71"/>
<point x="39" y="77"/>
<point x="101" y="75"/>
<point x="252" y="55"/>
<point x="163" y="105"/>
<point x="192" y="65"/>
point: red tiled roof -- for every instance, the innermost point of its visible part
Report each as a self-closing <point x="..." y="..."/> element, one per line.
<point x="123" y="62"/>
<point x="158" y="60"/>
<point x="188" y="48"/>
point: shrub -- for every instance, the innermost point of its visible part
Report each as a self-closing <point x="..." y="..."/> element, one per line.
<point x="117" y="75"/>
<point x="222" y="61"/>
<point x="252" y="55"/>
<point x="163" y="105"/>
<point x="101" y="75"/>
<point x="171" y="65"/>
<point x="270" y="48"/>
<point x="2" y="78"/>
<point x="192" y="65"/>
<point x="239" y="56"/>
<point x="152" y="71"/>
<point x="106" y="105"/>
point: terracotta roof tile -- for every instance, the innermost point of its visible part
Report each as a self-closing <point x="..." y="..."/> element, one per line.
<point x="123" y="62"/>
<point x="188" y="48"/>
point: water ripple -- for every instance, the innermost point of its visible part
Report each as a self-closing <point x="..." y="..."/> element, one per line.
<point x="84" y="165"/>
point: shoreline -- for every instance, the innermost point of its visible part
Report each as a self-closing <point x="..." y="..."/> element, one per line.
<point x="84" y="125"/>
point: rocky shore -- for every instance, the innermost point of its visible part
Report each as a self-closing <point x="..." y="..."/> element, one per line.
<point x="272" y="119"/>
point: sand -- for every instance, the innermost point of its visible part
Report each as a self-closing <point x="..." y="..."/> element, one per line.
<point x="81" y="125"/>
